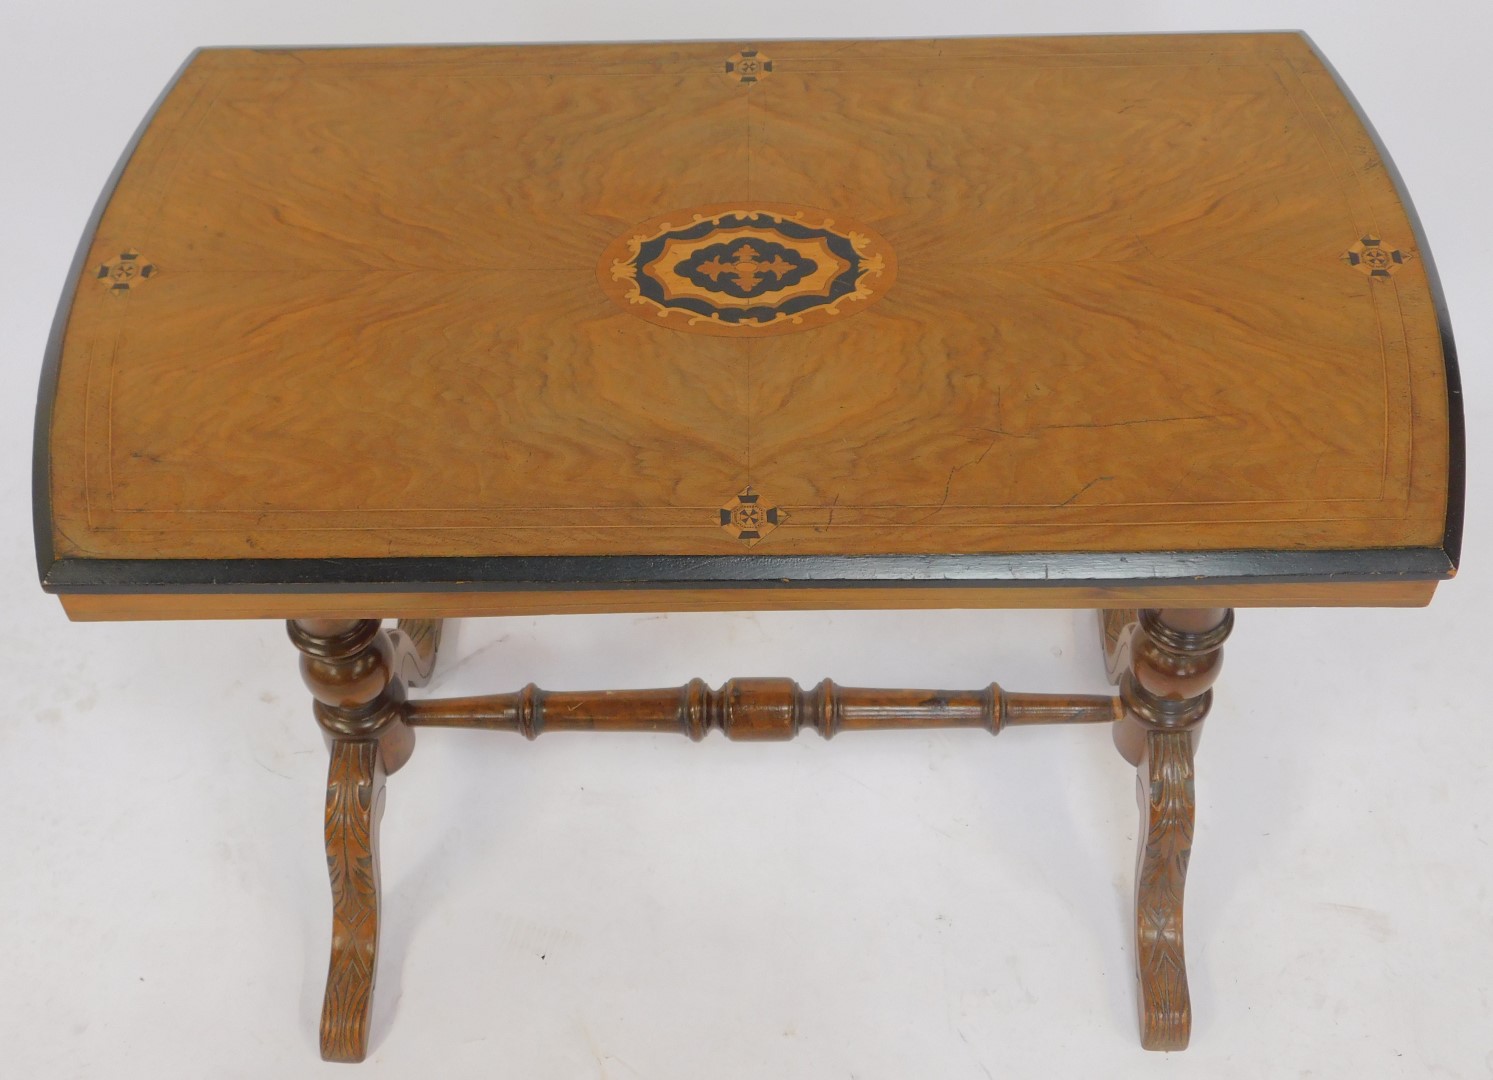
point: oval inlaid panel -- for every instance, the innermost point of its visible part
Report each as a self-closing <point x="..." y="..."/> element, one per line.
<point x="763" y="268"/>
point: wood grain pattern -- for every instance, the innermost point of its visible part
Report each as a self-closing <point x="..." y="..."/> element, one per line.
<point x="1122" y="317"/>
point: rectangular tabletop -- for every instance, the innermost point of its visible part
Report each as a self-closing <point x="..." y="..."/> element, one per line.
<point x="1015" y="321"/>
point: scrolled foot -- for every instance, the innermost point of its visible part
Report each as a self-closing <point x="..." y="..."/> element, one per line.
<point x="349" y="665"/>
<point x="355" y="790"/>
<point x="1167" y="799"/>
<point x="1174" y="658"/>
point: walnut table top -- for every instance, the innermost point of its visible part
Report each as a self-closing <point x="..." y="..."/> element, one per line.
<point x="459" y="331"/>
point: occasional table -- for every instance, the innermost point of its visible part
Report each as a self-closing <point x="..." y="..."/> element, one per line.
<point x="1139" y="324"/>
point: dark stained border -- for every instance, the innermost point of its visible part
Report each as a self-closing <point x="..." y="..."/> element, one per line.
<point x="564" y="572"/>
<point x="1456" y="480"/>
<point x="585" y="572"/>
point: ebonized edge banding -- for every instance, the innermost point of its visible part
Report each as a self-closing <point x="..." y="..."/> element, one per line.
<point x="583" y="572"/>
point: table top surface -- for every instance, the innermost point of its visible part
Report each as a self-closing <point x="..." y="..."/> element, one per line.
<point x="1093" y="311"/>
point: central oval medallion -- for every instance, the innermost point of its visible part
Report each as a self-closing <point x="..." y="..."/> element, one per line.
<point x="737" y="270"/>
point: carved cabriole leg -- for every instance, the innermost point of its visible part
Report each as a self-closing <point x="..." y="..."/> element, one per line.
<point x="1175" y="655"/>
<point x="351" y="668"/>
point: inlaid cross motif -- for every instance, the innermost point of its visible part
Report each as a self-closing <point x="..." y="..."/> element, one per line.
<point x="128" y="271"/>
<point x="749" y="517"/>
<point x="748" y="67"/>
<point x="745" y="267"/>
<point x="1372" y="256"/>
<point x="726" y="269"/>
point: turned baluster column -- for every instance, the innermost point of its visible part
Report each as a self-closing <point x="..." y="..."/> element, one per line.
<point x="1175" y="656"/>
<point x="349" y="666"/>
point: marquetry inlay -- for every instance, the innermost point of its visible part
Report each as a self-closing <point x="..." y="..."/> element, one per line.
<point x="748" y="66"/>
<point x="966" y="298"/>
<point x="749" y="517"/>
<point x="1372" y="256"/>
<point x="737" y="270"/>
<point x="124" y="272"/>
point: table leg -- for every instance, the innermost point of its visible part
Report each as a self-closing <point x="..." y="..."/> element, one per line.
<point x="1174" y="658"/>
<point x="353" y="670"/>
<point x="355" y="803"/>
<point x="1165" y="661"/>
<point x="1116" y="628"/>
<point x="416" y="642"/>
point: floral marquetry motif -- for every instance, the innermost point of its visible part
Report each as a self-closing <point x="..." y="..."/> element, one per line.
<point x="744" y="270"/>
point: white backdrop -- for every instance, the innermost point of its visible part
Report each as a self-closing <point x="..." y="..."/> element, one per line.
<point x="889" y="906"/>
